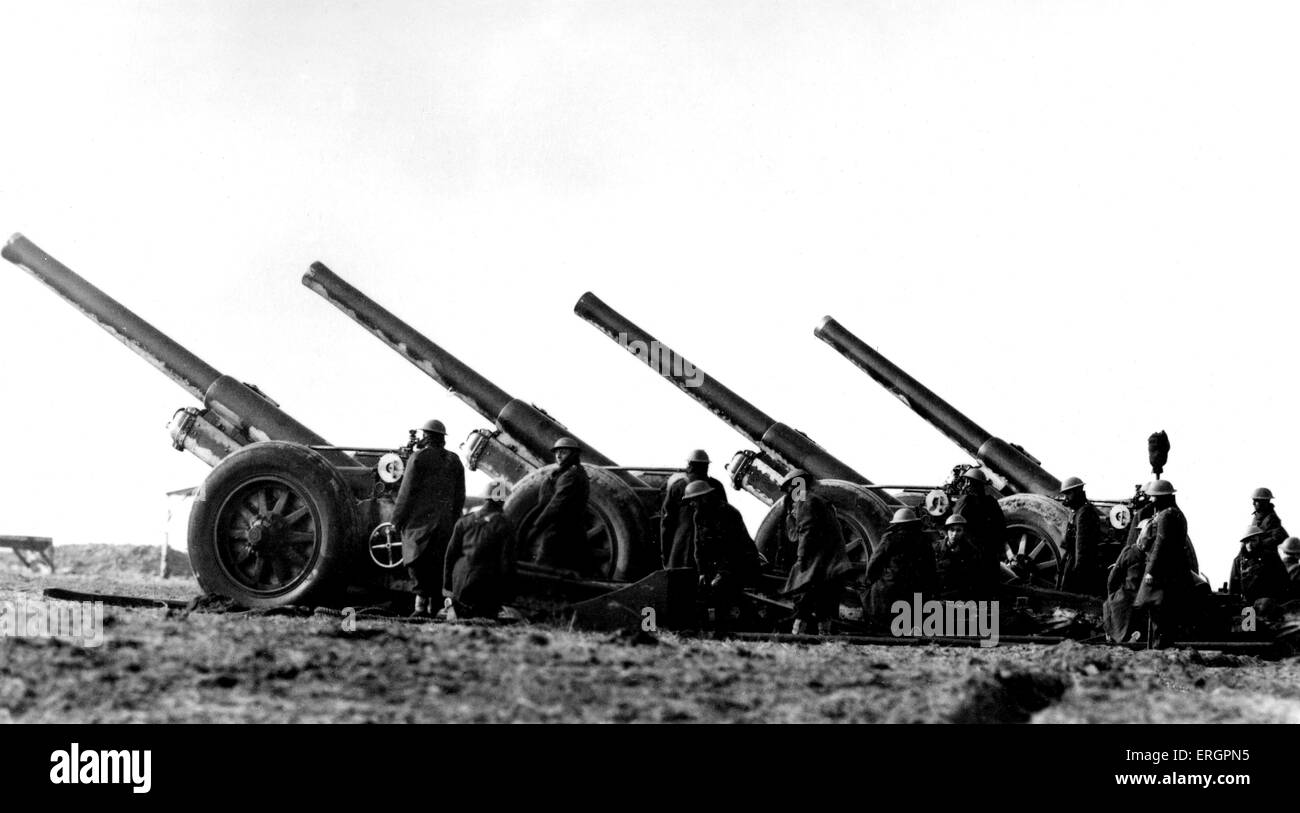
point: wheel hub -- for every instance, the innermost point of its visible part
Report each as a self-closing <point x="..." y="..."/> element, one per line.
<point x="265" y="532"/>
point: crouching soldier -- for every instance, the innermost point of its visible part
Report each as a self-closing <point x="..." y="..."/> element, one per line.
<point x="902" y="565"/>
<point x="1258" y="572"/>
<point x="821" y="561"/>
<point x="1291" y="561"/>
<point x="1118" y="615"/>
<point x="718" y="547"/>
<point x="957" y="562"/>
<point x="479" y="572"/>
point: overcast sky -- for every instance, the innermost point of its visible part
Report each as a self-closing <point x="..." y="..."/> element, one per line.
<point x="1075" y="221"/>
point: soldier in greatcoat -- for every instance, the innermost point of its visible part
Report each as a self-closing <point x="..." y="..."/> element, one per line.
<point x="901" y="566"/>
<point x="675" y="515"/>
<point x="719" y="547"/>
<point x="558" y="525"/>
<point x="479" y="570"/>
<point x="1118" y="615"/>
<point x="1266" y="519"/>
<point x="1258" y="572"/>
<point x="429" y="502"/>
<point x="820" y="559"/>
<point x="986" y="526"/>
<point x="957" y="562"/>
<point x="1167" y="585"/>
<point x="1080" y="569"/>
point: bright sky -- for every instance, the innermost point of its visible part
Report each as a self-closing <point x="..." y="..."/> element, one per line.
<point x="1074" y="221"/>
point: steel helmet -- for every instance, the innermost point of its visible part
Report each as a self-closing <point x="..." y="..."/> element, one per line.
<point x="1159" y="488"/>
<point x="1071" y="483"/>
<point x="903" y="515"/>
<point x="1262" y="494"/>
<point x="434" y="427"/>
<point x="975" y="473"/>
<point x="698" y="456"/>
<point x="1252" y="531"/>
<point x="1291" y="545"/>
<point x="566" y="443"/>
<point x="696" y="488"/>
<point x="955" y="519"/>
<point x="794" y="474"/>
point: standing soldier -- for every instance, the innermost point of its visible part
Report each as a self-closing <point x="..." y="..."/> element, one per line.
<point x="1291" y="561"/>
<point x="675" y="516"/>
<point x="559" y="526"/>
<point x="820" y="558"/>
<point x="902" y="565"/>
<point x="718" y="546"/>
<point x="986" y="526"/>
<point x="1080" y="572"/>
<point x="1266" y="519"/>
<point x="1167" y="584"/>
<point x="429" y="502"/>
<point x="480" y="564"/>
<point x="957" y="563"/>
<point x="1258" y="572"/>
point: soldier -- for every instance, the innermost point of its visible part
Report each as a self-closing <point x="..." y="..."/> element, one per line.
<point x="1118" y="615"/>
<point x="429" y="502"/>
<point x="902" y="565"/>
<point x="820" y="559"/>
<point x="1266" y="519"/>
<point x="1080" y="571"/>
<point x="674" y="520"/>
<point x="1166" y="588"/>
<point x="1258" y="572"/>
<point x="559" y="524"/>
<point x="1291" y="561"/>
<point x="718" y="546"/>
<point x="480" y="564"/>
<point x="986" y="526"/>
<point x="957" y="563"/>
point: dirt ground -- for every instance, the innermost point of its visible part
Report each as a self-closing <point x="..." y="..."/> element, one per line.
<point x="157" y="665"/>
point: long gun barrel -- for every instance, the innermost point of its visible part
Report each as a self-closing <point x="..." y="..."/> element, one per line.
<point x="1010" y="462"/>
<point x="242" y="414"/>
<point x="527" y="425"/>
<point x="789" y="445"/>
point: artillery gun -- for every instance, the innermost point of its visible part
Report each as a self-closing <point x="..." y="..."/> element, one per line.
<point x="1036" y="521"/>
<point x="864" y="510"/>
<point x="276" y="520"/>
<point x="285" y="517"/>
<point x="623" y="501"/>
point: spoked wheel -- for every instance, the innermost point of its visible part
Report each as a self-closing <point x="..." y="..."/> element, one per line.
<point x="270" y="527"/>
<point x="266" y="536"/>
<point x="1030" y="558"/>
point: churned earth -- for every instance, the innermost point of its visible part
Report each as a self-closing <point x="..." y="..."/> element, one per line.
<point x="161" y="665"/>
